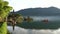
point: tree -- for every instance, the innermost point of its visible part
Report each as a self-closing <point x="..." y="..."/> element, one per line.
<point x="14" y="18"/>
<point x="4" y="11"/>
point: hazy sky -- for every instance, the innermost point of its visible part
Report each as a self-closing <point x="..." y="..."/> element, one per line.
<point x="22" y="4"/>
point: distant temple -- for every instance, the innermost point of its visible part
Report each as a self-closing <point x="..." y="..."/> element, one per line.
<point x="28" y="19"/>
<point x="11" y="19"/>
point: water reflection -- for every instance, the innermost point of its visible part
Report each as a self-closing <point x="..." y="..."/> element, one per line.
<point x="30" y="31"/>
<point x="19" y="30"/>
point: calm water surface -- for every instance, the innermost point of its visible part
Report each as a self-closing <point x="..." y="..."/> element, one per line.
<point x="54" y="22"/>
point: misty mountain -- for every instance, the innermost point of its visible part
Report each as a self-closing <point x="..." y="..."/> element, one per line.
<point x="50" y="11"/>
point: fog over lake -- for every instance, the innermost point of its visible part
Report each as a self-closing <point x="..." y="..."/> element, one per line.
<point x="50" y="18"/>
<point x="19" y="30"/>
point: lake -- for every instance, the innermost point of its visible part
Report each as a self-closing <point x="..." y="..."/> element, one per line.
<point x="38" y="27"/>
<point x="53" y="22"/>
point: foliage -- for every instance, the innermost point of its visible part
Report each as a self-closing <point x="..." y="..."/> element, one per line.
<point x="3" y="28"/>
<point x="8" y="32"/>
<point x="4" y="11"/>
<point x="17" y="17"/>
<point x="4" y="8"/>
